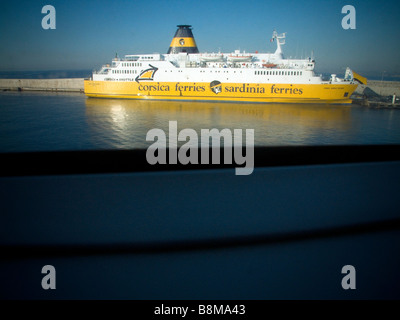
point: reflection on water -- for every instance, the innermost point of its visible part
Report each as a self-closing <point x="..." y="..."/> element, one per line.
<point x="47" y="121"/>
<point x="125" y="123"/>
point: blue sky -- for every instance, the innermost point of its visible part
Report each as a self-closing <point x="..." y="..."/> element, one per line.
<point x="89" y="33"/>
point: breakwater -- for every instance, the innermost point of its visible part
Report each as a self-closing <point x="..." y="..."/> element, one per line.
<point x="68" y="85"/>
<point x="382" y="88"/>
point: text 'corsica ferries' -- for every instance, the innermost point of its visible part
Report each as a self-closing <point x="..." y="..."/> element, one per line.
<point x="186" y="74"/>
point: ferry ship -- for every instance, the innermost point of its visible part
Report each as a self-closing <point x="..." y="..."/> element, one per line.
<point x="183" y="73"/>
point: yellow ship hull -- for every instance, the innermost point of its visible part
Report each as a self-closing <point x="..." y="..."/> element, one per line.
<point x="240" y="92"/>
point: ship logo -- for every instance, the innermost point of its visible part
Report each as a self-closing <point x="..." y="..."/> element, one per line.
<point x="216" y="86"/>
<point x="147" y="75"/>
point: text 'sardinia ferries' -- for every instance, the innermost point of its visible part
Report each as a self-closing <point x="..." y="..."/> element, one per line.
<point x="185" y="74"/>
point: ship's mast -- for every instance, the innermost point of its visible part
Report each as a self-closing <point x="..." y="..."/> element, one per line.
<point x="280" y="40"/>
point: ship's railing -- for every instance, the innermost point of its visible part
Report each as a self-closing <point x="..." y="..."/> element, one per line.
<point x="100" y="72"/>
<point x="104" y="69"/>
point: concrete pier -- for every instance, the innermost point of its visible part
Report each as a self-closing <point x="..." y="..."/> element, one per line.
<point x="68" y="85"/>
<point x="383" y="88"/>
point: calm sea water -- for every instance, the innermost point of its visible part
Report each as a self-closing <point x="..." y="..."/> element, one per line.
<point x="37" y="121"/>
<point x="89" y="208"/>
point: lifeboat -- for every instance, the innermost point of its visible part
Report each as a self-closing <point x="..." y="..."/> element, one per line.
<point x="239" y="58"/>
<point x="212" y="57"/>
<point x="269" y="65"/>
